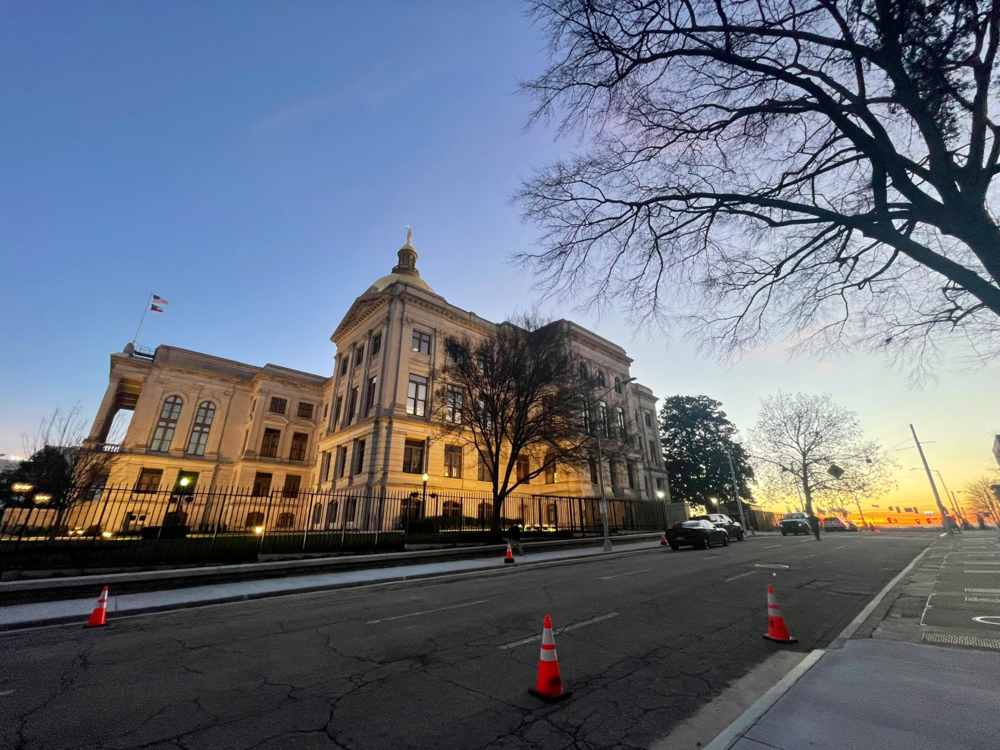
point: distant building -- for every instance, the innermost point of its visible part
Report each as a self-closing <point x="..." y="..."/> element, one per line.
<point x="215" y="423"/>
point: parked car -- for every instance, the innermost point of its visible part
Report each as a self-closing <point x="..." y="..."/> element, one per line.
<point x="733" y="528"/>
<point x="851" y="526"/>
<point x="795" y="523"/>
<point x="696" y="533"/>
<point x="834" y="523"/>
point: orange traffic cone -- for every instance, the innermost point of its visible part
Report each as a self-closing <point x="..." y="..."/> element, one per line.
<point x="100" y="614"/>
<point x="663" y="539"/>
<point x="776" y="630"/>
<point x="549" y="686"/>
<point x="509" y="558"/>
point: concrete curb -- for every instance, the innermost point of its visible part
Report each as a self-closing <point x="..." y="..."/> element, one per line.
<point x="735" y="731"/>
<point x="115" y="614"/>
<point x="313" y="564"/>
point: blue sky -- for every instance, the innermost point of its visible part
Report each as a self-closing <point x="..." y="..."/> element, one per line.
<point x="257" y="165"/>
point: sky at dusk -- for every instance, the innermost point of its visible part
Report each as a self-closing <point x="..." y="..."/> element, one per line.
<point x="257" y="165"/>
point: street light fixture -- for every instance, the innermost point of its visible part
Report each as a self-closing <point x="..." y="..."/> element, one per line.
<point x="600" y="467"/>
<point x="423" y="502"/>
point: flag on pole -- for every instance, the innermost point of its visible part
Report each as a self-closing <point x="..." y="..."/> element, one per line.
<point x="154" y="308"/>
<point x="159" y="300"/>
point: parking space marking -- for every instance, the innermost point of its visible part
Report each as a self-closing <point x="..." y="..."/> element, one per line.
<point x="808" y="556"/>
<point x="566" y="629"/>
<point x="773" y="546"/>
<point x="427" y="612"/>
<point x="841" y="546"/>
<point x="992" y="572"/>
<point x="741" y="575"/>
<point x="982" y="591"/>
<point x="6" y="693"/>
<point x="630" y="573"/>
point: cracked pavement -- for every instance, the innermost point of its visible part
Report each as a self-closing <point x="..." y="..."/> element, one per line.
<point x="307" y="671"/>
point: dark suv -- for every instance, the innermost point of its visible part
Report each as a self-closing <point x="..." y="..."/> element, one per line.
<point x="733" y="528"/>
<point x="795" y="523"/>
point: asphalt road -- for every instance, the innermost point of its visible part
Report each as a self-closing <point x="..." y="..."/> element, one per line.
<point x="649" y="638"/>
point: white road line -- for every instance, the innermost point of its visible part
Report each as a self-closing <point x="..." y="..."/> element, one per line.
<point x="841" y="546"/>
<point x="630" y="573"/>
<point x="566" y="629"/>
<point x="426" y="612"/>
<point x="808" y="556"/>
<point x="982" y="591"/>
<point x="977" y="562"/>
<point x="993" y="572"/>
<point x="741" y="575"/>
<point x="805" y="540"/>
<point x="773" y="546"/>
<point x="6" y="692"/>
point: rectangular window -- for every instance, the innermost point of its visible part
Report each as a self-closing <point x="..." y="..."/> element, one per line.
<point x="630" y="470"/>
<point x="370" y="395"/>
<point x="588" y="428"/>
<point x="350" y="509"/>
<point x="421" y="342"/>
<point x="326" y="410"/>
<point x="593" y="471"/>
<point x="413" y="457"/>
<point x="522" y="467"/>
<point x="649" y="419"/>
<point x="299" y="442"/>
<point x="359" y="457"/>
<point x="341" y="465"/>
<point x="359" y="355"/>
<point x="453" y="405"/>
<point x="149" y="480"/>
<point x="653" y="459"/>
<point x="292" y="484"/>
<point x="324" y="466"/>
<point x="416" y="397"/>
<point x="485" y="475"/>
<point x="376" y="344"/>
<point x="453" y="461"/>
<point x="269" y="445"/>
<point x="352" y="405"/>
<point x="305" y="410"/>
<point x="456" y="352"/>
<point x="261" y="484"/>
<point x="621" y="422"/>
<point x="602" y="408"/>
<point x="614" y="474"/>
<point x="344" y="363"/>
<point x="166" y="425"/>
<point x="336" y="411"/>
<point x="550" y="474"/>
<point x="278" y="405"/>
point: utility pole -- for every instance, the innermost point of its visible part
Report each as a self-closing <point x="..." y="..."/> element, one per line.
<point x="736" y="492"/>
<point x="930" y="478"/>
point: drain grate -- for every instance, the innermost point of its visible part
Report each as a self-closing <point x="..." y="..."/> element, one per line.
<point x="969" y="641"/>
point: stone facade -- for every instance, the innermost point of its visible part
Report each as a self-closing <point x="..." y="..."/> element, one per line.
<point x="218" y="423"/>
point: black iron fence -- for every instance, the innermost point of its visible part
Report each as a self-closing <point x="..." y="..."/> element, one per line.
<point x="123" y="526"/>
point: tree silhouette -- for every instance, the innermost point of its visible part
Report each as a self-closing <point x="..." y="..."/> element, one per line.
<point x="806" y="169"/>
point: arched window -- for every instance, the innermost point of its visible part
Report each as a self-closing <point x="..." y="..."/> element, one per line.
<point x="202" y="424"/>
<point x="168" y="422"/>
<point x="331" y="514"/>
<point x="618" y="385"/>
<point x="285" y="521"/>
<point x="317" y="514"/>
<point x="451" y="509"/>
<point x="600" y="379"/>
<point x="254" y="518"/>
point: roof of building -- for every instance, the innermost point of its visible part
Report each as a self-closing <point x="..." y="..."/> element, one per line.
<point x="404" y="272"/>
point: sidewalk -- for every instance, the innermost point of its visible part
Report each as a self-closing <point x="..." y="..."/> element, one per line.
<point x="18" y="616"/>
<point x="885" y="688"/>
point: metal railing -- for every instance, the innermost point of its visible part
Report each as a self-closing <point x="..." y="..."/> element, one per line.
<point x="122" y="526"/>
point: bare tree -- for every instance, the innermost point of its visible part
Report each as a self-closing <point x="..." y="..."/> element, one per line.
<point x="516" y="393"/>
<point x="981" y="497"/>
<point x="804" y="168"/>
<point x="799" y="438"/>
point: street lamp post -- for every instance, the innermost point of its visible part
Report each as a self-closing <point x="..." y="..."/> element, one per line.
<point x="736" y="493"/>
<point x="423" y="502"/>
<point x="600" y="471"/>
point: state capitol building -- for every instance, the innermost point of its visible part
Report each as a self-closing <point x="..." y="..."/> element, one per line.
<point x="206" y="422"/>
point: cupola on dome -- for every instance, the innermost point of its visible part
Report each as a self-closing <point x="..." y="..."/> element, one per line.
<point x="405" y="271"/>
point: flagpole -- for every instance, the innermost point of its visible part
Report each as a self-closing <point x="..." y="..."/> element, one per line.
<point x="149" y="301"/>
